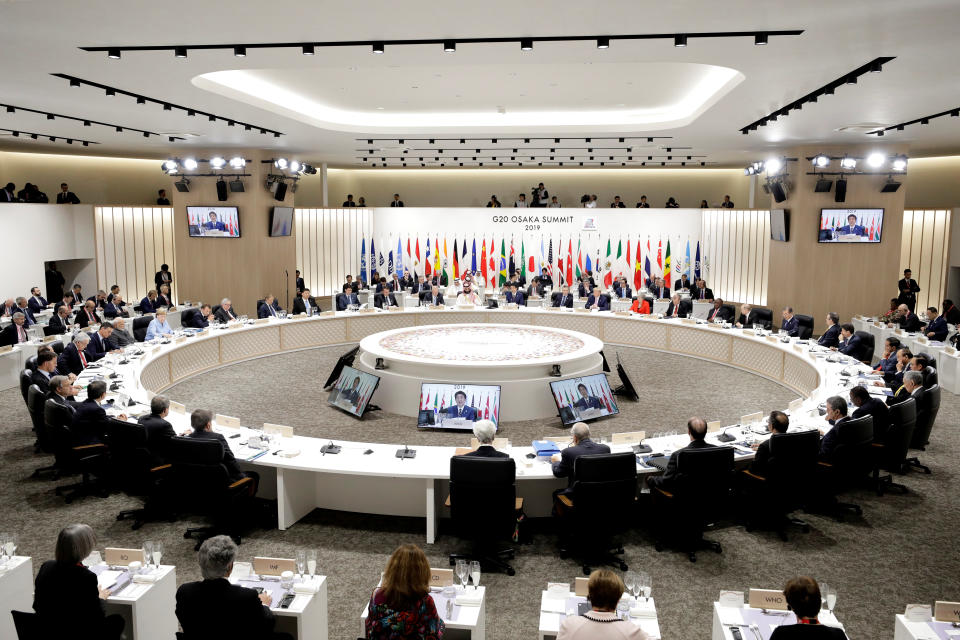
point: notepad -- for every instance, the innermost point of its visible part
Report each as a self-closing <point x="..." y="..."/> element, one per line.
<point x="108" y="578"/>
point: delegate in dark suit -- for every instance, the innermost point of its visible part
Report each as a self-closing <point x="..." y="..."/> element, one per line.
<point x="720" y="313"/>
<point x="830" y="440"/>
<point x="96" y="348"/>
<point x="791" y="326"/>
<point x="159" y="433"/>
<point x="589" y="402"/>
<point x="224" y="315"/>
<point x="938" y="327"/>
<point x="36" y="304"/>
<point x="111" y="311"/>
<point x="561" y="300"/>
<point x="85" y="318"/>
<point x="429" y="299"/>
<point x="701" y="294"/>
<point x="147" y="306"/>
<point x="910" y="322"/>
<point x="69" y="360"/>
<point x="228" y="460"/>
<point x="670" y="474"/>
<point x="66" y="599"/>
<point x="856" y="230"/>
<point x="807" y="632"/>
<point x="344" y="300"/>
<point x="517" y="298"/>
<point x="564" y="468"/>
<point x="761" y="459"/>
<point x="901" y="395"/>
<point x="380" y="298"/>
<point x="683" y="309"/>
<point x="40" y="379"/>
<point x="467" y="412"/>
<point x="603" y="303"/>
<point x="217" y="609"/>
<point x="299" y="306"/>
<point x="661" y="293"/>
<point x="852" y="347"/>
<point x="830" y="337"/>
<point x="57" y="325"/>
<point x="908" y="289"/>
<point x="195" y="320"/>
<point x="10" y="335"/>
<point x="622" y="292"/>
<point x="875" y="408"/>
<point x="748" y="320"/>
<point x="268" y="310"/>
<point x="487" y="451"/>
<point x="89" y="419"/>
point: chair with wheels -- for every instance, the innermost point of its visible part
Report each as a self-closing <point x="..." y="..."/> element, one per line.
<point x="782" y="490"/>
<point x="699" y="496"/>
<point x="764" y="317"/>
<point x="26" y="379"/>
<point x="135" y="470"/>
<point x="868" y="346"/>
<point x="483" y="506"/>
<point x="90" y="460"/>
<point x="927" y="411"/>
<point x="599" y="506"/>
<point x="805" y="324"/>
<point x="851" y="464"/>
<point x="892" y="451"/>
<point x="930" y="377"/>
<point x="31" y="363"/>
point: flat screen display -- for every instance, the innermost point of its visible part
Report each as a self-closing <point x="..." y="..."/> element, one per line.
<point x="850" y="225"/>
<point x="213" y="222"/>
<point x="353" y="390"/>
<point x="281" y="222"/>
<point x="457" y="406"/>
<point x="583" y="399"/>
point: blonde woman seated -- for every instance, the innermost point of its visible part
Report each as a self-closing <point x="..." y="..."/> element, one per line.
<point x="401" y="608"/>
<point x="159" y="327"/>
<point x="601" y="623"/>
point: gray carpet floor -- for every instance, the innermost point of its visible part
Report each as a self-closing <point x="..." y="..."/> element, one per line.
<point x="902" y="550"/>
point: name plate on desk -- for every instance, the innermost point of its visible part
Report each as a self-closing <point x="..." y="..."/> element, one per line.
<point x="899" y="332"/>
<point x="498" y="443"/>
<point x="273" y="566"/>
<point x="749" y="332"/>
<point x="714" y="326"/>
<point x="923" y="340"/>
<point x="436" y="307"/>
<point x="918" y="613"/>
<point x="628" y="437"/>
<point x="713" y="426"/>
<point x="156" y="349"/>
<point x="262" y="321"/>
<point x="949" y="351"/>
<point x="622" y="313"/>
<point x="392" y="308"/>
<point x="278" y="430"/>
<point x="49" y="339"/>
<point x="180" y="340"/>
<point x="581" y="310"/>
<point x="122" y="557"/>
<point x="946" y="611"/>
<point x="795" y="404"/>
<point x="176" y="407"/>
<point x="205" y="332"/>
<point x="6" y="349"/>
<point x="511" y="305"/>
<point x="226" y="421"/>
<point x="441" y="577"/>
<point x="798" y="348"/>
<point x="325" y="314"/>
<point x="688" y="320"/>
<point x="367" y="310"/>
<point x="768" y="599"/>
<point x="234" y="325"/>
<point x="773" y="338"/>
<point x="580" y="586"/>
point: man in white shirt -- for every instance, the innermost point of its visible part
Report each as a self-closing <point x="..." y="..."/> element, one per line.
<point x="592" y="203"/>
<point x="468" y="297"/>
<point x="554" y="203"/>
<point x="521" y="201"/>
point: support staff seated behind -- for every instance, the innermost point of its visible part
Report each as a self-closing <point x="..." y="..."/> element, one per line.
<point x="270" y="308"/>
<point x="202" y="422"/>
<point x="622" y="289"/>
<point x="697" y="430"/>
<point x="604" y="589"/>
<point x="778" y="422"/>
<point x="66" y="596"/>
<point x="805" y="600"/>
<point x="485" y="432"/>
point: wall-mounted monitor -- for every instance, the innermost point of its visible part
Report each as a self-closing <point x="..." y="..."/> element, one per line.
<point x="582" y="399"/>
<point x="213" y="222"/>
<point x="353" y="390"/>
<point x="780" y="225"/>
<point x="281" y="222"/>
<point x="457" y="406"/>
<point x="850" y="225"/>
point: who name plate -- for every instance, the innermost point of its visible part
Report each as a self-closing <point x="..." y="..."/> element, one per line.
<point x="122" y="557"/>
<point x="768" y="599"/>
<point x="944" y="611"/>
<point x="273" y="566"/>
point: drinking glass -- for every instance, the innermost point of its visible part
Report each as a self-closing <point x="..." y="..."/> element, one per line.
<point x="301" y="562"/>
<point x="312" y="562"/>
<point x="462" y="572"/>
<point x="831" y="598"/>
<point x="157" y="553"/>
<point x="475" y="573"/>
<point x="147" y="551"/>
<point x="824" y="587"/>
<point x="645" y="584"/>
<point x="630" y="581"/>
<point x="4" y="537"/>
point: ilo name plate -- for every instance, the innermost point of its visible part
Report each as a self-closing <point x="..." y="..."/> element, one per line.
<point x="122" y="557"/>
<point x="273" y="566"/>
<point x="768" y="599"/>
<point x="918" y="613"/>
<point x="944" y="611"/>
<point x="278" y="430"/>
<point x="580" y="586"/>
<point x="226" y="421"/>
<point x="441" y="577"/>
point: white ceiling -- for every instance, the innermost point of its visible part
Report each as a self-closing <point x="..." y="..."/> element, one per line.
<point x="40" y="37"/>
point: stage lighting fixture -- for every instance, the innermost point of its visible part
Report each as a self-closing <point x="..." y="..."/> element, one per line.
<point x="899" y="163"/>
<point x="180" y="52"/>
<point x="170" y="166"/>
<point x="851" y="80"/>
<point x="526" y="44"/>
<point x="760" y="39"/>
<point x="449" y="46"/>
<point x="778" y="191"/>
<point x="823" y="185"/>
<point x="308" y="50"/>
<point x="183" y="186"/>
<point x="141" y="101"/>
<point x="890" y="186"/>
<point x="280" y="163"/>
<point x="238" y="162"/>
<point x="876" y="160"/>
<point x="840" y="192"/>
<point x="190" y="164"/>
<point x="772" y="166"/>
<point x="377" y="47"/>
<point x="821" y="161"/>
<point x="680" y="41"/>
<point x="240" y="52"/>
<point x="236" y="186"/>
<point x="217" y="162"/>
<point x="295" y="166"/>
<point x="848" y="163"/>
<point x="603" y="43"/>
<point x="221" y="190"/>
<point x="113" y="54"/>
<point x="748" y="171"/>
<point x="876" y="67"/>
<point x="311" y="170"/>
<point x="74" y="82"/>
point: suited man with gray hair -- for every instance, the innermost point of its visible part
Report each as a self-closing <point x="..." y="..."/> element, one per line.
<point x="563" y="462"/>
<point x="485" y="432"/>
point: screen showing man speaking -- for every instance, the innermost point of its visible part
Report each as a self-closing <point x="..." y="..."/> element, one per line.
<point x="457" y="406"/>
<point x="585" y="398"/>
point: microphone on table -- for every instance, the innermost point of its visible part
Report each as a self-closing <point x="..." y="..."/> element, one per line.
<point x="726" y="437"/>
<point x="406" y="452"/>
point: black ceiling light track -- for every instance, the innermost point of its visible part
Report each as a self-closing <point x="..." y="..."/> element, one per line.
<point x="87" y="122"/>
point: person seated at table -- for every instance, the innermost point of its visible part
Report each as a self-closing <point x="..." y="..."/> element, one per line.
<point x="485" y="431"/>
<point x="89" y="417"/>
<point x="407" y="280"/>
<point x="225" y="313"/>
<point x="24" y="308"/>
<point x="546" y="278"/>
<point x="586" y="401"/>
<point x="304" y="303"/>
<point x="936" y="328"/>
<point x="660" y="291"/>
<point x="148" y="304"/>
<point x="63" y="392"/>
<point x="114" y="308"/>
<point x="460" y="409"/>
<point x="72" y="359"/>
<point x="747" y="316"/>
<point x="536" y="288"/>
<point x="87" y="315"/>
<point x="702" y="292"/>
<point x="16" y="332"/>
<point x="563" y="298"/>
<point x="777" y="422"/>
<point x="836" y="416"/>
<point x="564" y="461"/>
<point x="584" y="287"/>
<point x="269" y="308"/>
<point x="159" y="327"/>
<point x="790" y="325"/>
<point x="120" y="337"/>
<point x="38" y="303"/>
<point x="469" y="296"/>
<point x="419" y="285"/>
<point x="213" y="224"/>
<point x="349" y="297"/>
<point x="852" y="228"/>
<point x="215" y="608"/>
<point x="805" y="600"/>
<point x="831" y="337"/>
<point x="679" y="308"/>
<point x="515" y="296"/>
<point x="201" y="421"/>
<point x="697" y="431"/>
<point x="201" y="319"/>
<point x="387" y="298"/>
<point x="912" y="387"/>
<point x="99" y="345"/>
<point x="909" y="321"/>
<point x="100" y="299"/>
<point x="66" y="596"/>
<point x="888" y="361"/>
<point x="950" y="312"/>
<point x="432" y="297"/>
<point x="60" y="322"/>
<point x="46" y="368"/>
<point x="684" y="284"/>
<point x="379" y="286"/>
<point x="719" y="313"/>
<point x="604" y="589"/>
<point x="159" y="431"/>
<point x="850" y="343"/>
<point x="622" y="289"/>
<point x="893" y="379"/>
<point x="598" y="301"/>
<point x="401" y="608"/>
<point x="867" y="405"/>
<point x="164" y="297"/>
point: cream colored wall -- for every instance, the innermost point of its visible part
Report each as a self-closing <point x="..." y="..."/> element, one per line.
<point x="473" y="187"/>
<point x="932" y="183"/>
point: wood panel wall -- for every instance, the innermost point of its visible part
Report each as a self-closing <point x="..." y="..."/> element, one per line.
<point x="735" y="254"/>
<point x="925" y="250"/>
<point x="328" y="245"/>
<point x="131" y="244"/>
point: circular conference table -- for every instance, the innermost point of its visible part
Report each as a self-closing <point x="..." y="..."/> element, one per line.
<point x="301" y="477"/>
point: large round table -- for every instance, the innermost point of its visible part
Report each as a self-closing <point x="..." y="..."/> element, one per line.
<point x="380" y="482"/>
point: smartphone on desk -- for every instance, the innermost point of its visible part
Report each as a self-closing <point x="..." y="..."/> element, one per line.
<point x="287" y="600"/>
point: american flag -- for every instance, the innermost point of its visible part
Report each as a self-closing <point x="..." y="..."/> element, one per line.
<point x="550" y="258"/>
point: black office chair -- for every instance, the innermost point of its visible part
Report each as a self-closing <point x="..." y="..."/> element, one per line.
<point x="57" y="346"/>
<point x="88" y="460"/>
<point x="931" y="361"/>
<point x="599" y="507"/>
<point x="930" y="377"/>
<point x="186" y="315"/>
<point x="764" y="317"/>
<point x="927" y="410"/>
<point x="484" y="505"/>
<point x="135" y="470"/>
<point x="698" y="496"/>
<point x="26" y="379"/>
<point x="140" y="327"/>
<point x="853" y="460"/>
<point x="31" y="363"/>
<point x="786" y="486"/>
<point x="199" y="483"/>
<point x="868" y="347"/>
<point x="650" y="301"/>
<point x="27" y="624"/>
<point x="892" y="451"/>
<point x="35" y="400"/>
<point x="805" y="324"/>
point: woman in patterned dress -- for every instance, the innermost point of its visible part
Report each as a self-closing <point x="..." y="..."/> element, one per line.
<point x="401" y="607"/>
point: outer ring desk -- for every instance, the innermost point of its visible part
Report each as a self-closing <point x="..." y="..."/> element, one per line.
<point x="381" y="483"/>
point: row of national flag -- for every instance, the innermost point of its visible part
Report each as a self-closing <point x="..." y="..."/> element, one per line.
<point x="632" y="259"/>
